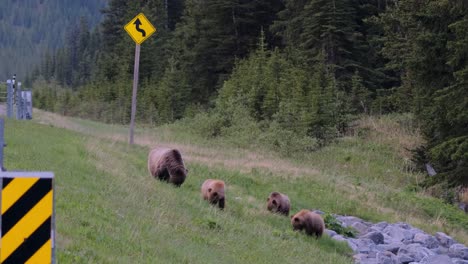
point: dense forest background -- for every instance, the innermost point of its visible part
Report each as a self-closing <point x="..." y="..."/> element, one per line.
<point x="290" y="72"/>
<point x="30" y="28"/>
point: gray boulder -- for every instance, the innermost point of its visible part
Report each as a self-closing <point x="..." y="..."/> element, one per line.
<point x="426" y="240"/>
<point x="403" y="225"/>
<point x="339" y="238"/>
<point x="440" y="250"/>
<point x="394" y="247"/>
<point x="353" y="246"/>
<point x="436" y="259"/>
<point x="397" y="233"/>
<point x="375" y="236"/>
<point x="359" y="257"/>
<point x="363" y="245"/>
<point x="348" y="220"/>
<point x="414" y="252"/>
<point x="369" y="261"/>
<point x="381" y="225"/>
<point x="360" y="227"/>
<point x="386" y="258"/>
<point x="405" y="259"/>
<point x="458" y="251"/>
<point x="331" y="233"/>
<point x="444" y="239"/>
<point x="459" y="261"/>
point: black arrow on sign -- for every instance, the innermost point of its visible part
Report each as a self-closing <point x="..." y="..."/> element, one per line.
<point x="137" y="23"/>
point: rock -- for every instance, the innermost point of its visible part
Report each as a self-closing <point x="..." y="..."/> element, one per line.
<point x="415" y="231"/>
<point x="388" y="239"/>
<point x="331" y="233"/>
<point x="444" y="239"/>
<point x="403" y="225"/>
<point x="440" y="250"/>
<point x="463" y="207"/>
<point x="430" y="170"/>
<point x="426" y="240"/>
<point x="348" y="220"/>
<point x="436" y="259"/>
<point x="398" y="234"/>
<point x="339" y="238"/>
<point x="375" y="236"/>
<point x="407" y="241"/>
<point x="362" y="245"/>
<point x="414" y="252"/>
<point x="359" y="257"/>
<point x="400" y="243"/>
<point x="459" y="261"/>
<point x="373" y="228"/>
<point x="360" y="227"/>
<point x="458" y="251"/>
<point x="381" y="225"/>
<point x="369" y="261"/>
<point x="372" y="254"/>
<point x="386" y="258"/>
<point x="394" y="247"/>
<point x="353" y="246"/>
<point x="403" y="258"/>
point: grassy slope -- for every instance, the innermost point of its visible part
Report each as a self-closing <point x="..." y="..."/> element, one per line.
<point x="110" y="211"/>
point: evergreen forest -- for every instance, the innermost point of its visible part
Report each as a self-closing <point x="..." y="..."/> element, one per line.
<point x="295" y="74"/>
<point x="29" y="29"/>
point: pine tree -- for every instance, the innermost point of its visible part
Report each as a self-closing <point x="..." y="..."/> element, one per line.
<point x="360" y="95"/>
<point x="433" y="69"/>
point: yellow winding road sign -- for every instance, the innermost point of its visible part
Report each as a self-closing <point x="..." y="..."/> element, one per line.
<point x="139" y="28"/>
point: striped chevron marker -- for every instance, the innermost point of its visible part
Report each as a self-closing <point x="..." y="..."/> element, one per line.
<point x="27" y="210"/>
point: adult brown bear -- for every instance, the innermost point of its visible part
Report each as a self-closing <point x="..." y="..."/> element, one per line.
<point x="278" y="203"/>
<point x="213" y="191"/>
<point x="167" y="165"/>
<point x="309" y="221"/>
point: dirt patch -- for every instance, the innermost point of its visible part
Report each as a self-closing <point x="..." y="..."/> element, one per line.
<point x="242" y="160"/>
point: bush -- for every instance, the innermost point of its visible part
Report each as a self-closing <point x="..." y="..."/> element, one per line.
<point x="333" y="224"/>
<point x="286" y="142"/>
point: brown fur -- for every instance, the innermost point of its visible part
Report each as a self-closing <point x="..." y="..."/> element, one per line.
<point x="278" y="203"/>
<point x="308" y="221"/>
<point x="213" y="191"/>
<point x="167" y="165"/>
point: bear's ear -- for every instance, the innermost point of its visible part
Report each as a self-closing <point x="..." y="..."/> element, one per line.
<point x="209" y="189"/>
<point x="274" y="202"/>
<point x="296" y="219"/>
<point x="268" y="199"/>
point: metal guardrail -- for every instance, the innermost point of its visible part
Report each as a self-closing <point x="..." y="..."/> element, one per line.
<point x="22" y="100"/>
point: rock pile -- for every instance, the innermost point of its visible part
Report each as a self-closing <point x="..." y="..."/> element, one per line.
<point x="385" y="243"/>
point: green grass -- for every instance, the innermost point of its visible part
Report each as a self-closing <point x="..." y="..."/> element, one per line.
<point x="109" y="210"/>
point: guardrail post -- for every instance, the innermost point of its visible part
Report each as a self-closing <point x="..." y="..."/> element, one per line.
<point x="9" y="99"/>
<point x="19" y="102"/>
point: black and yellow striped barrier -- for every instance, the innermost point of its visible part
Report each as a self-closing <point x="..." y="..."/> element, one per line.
<point x="27" y="217"/>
